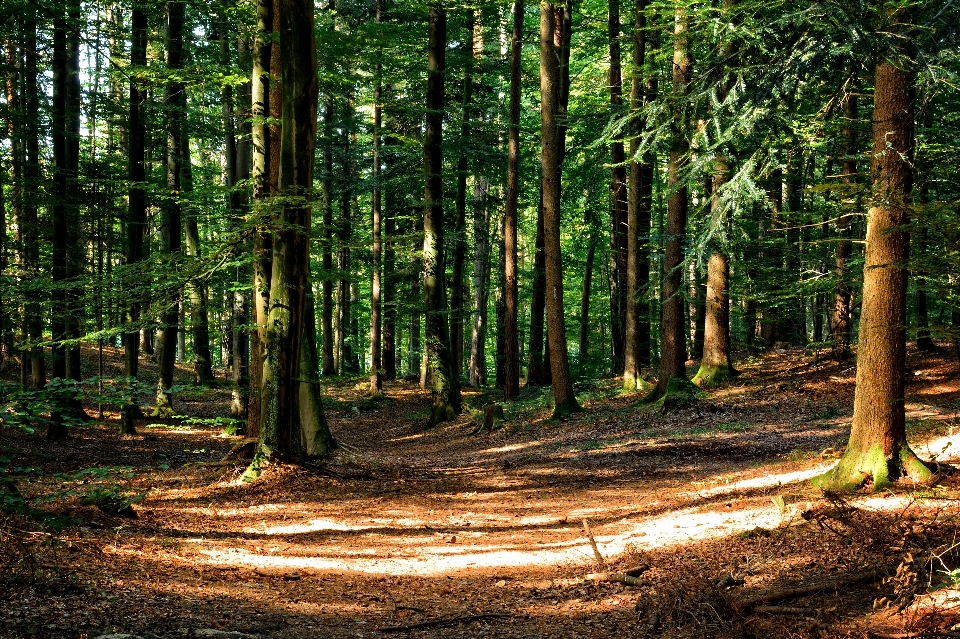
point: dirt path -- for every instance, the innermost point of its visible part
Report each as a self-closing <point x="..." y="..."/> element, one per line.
<point x="408" y="527"/>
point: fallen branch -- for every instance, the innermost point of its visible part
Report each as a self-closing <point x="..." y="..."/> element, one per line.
<point x="593" y="544"/>
<point x="914" y="635"/>
<point x="800" y="591"/>
<point x="449" y="621"/>
<point x="616" y="577"/>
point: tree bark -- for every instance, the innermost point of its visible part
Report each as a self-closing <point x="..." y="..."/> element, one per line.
<point x="842" y="312"/>
<point x="638" y="217"/>
<point x="329" y="363"/>
<point x="199" y="302"/>
<point x="136" y="212"/>
<point x="550" y="148"/>
<point x="878" y="449"/>
<point x="376" y="284"/>
<point x="510" y="328"/>
<point x="619" y="206"/>
<point x="288" y="431"/>
<point x="480" y="284"/>
<point x="457" y="295"/>
<point x="446" y="384"/>
<point x="672" y="345"/>
<point x="170" y="224"/>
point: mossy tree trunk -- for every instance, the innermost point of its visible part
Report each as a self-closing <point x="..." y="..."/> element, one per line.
<point x="287" y="431"/>
<point x="877" y="450"/>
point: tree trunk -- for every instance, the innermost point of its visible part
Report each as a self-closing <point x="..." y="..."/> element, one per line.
<point x="878" y="449"/>
<point x="446" y="384"/>
<point x="672" y="344"/>
<point x="376" y="285"/>
<point x="170" y="225"/>
<point x="33" y="370"/>
<point x="457" y="295"/>
<point x="199" y="303"/>
<point x="480" y="284"/>
<point x="285" y="434"/>
<point x="584" y="341"/>
<point x="638" y="217"/>
<point x="238" y="169"/>
<point x="536" y="375"/>
<point x="619" y="208"/>
<point x="550" y="146"/>
<point x="136" y="212"/>
<point x="510" y="328"/>
<point x="329" y="364"/>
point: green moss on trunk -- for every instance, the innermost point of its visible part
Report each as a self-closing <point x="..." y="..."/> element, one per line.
<point x="855" y="468"/>
<point x="709" y="375"/>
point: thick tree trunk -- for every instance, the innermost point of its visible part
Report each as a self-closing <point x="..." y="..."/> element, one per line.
<point x="287" y="430"/>
<point x="878" y="449"/>
<point x="510" y="328"/>
<point x="550" y="148"/>
<point x="446" y="384"/>
<point x="673" y="344"/>
<point x="170" y="226"/>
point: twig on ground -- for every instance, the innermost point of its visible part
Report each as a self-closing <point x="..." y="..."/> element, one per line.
<point x="593" y="544"/>
<point x="448" y="621"/>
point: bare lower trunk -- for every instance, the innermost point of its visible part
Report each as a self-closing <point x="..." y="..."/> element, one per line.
<point x="878" y="449"/>
<point x="551" y="110"/>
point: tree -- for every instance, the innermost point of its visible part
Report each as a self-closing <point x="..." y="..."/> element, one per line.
<point x="284" y="433"/>
<point x="511" y="347"/>
<point x="446" y="385"/>
<point x="376" y="286"/>
<point x="715" y="365"/>
<point x="878" y="450"/>
<point x="175" y="99"/>
<point x="564" y="401"/>
<point x="672" y="342"/>
<point x="136" y="208"/>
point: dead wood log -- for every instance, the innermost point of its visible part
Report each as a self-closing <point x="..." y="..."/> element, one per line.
<point x="448" y="621"/>
<point x="615" y="577"/>
<point x="809" y="589"/>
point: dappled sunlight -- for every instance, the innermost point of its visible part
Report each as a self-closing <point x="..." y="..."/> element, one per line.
<point x="765" y="480"/>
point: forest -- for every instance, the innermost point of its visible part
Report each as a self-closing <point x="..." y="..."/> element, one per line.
<point x="476" y="318"/>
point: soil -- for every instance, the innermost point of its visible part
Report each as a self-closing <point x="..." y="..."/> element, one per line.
<point x="446" y="533"/>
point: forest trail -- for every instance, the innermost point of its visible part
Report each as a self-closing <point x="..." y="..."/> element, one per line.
<point x="406" y="527"/>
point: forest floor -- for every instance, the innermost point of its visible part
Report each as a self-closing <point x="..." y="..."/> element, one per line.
<point x="446" y="533"/>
